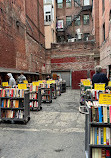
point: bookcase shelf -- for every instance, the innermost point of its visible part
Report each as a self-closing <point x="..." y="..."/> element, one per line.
<point x="35" y="104"/>
<point x="46" y="95"/>
<point x="14" y="113"/>
<point x="63" y="87"/>
<point x="93" y="124"/>
<point x="99" y="146"/>
<point x="54" y="91"/>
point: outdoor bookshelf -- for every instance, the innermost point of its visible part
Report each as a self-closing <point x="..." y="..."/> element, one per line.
<point x="63" y="87"/>
<point x="46" y="94"/>
<point x="35" y="100"/>
<point x="58" y="88"/>
<point x="15" y="108"/>
<point x="98" y="131"/>
<point x="54" y="91"/>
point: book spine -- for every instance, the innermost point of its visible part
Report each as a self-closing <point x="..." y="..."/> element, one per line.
<point x="104" y="135"/>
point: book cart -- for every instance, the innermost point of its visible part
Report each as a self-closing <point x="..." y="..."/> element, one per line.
<point x="98" y="125"/>
<point x="54" y="91"/>
<point x="63" y="87"/>
<point x="35" y="98"/>
<point x="58" y="88"/>
<point x="14" y="105"/>
<point x="46" y="93"/>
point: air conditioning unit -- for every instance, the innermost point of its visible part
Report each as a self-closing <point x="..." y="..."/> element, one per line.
<point x="72" y="40"/>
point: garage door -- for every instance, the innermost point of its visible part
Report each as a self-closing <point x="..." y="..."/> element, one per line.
<point x="65" y="76"/>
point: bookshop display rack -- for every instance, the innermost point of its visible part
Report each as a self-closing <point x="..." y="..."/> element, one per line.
<point x="63" y="87"/>
<point x="46" y="95"/>
<point x="15" y="109"/>
<point x="35" y="100"/>
<point x="99" y="133"/>
<point x="54" y="91"/>
<point x="58" y="88"/>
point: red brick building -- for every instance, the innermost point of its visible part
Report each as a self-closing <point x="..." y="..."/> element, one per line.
<point x="22" y="36"/>
<point x="71" y="16"/>
<point x="102" y="32"/>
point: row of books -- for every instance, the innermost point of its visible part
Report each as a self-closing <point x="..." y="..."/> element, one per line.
<point x="7" y="103"/>
<point x="11" y="92"/>
<point x="34" y="104"/>
<point x="47" y="98"/>
<point x="101" y="114"/>
<point x="100" y="136"/>
<point x="101" y="153"/>
<point x="12" y="114"/>
<point x="33" y="95"/>
<point x="33" y="88"/>
<point x="44" y="85"/>
<point x="45" y="91"/>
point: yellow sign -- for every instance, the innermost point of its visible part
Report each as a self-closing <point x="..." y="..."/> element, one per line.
<point x="49" y="82"/>
<point x="40" y="81"/>
<point x="109" y="83"/>
<point x="5" y="84"/>
<point x="86" y="82"/>
<point x="99" y="86"/>
<point x="104" y="98"/>
<point x="22" y="86"/>
<point x="53" y="81"/>
<point x="25" y="81"/>
<point x="35" y="83"/>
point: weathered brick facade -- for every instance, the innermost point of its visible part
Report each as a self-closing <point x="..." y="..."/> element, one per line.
<point x="74" y="56"/>
<point x="22" y="35"/>
<point x="102" y="19"/>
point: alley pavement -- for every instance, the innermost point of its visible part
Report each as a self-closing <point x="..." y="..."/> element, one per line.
<point x="55" y="132"/>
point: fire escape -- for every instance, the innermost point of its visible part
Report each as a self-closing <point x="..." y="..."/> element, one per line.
<point x="66" y="27"/>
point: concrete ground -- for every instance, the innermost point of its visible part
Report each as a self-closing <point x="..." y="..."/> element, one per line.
<point x="55" y="132"/>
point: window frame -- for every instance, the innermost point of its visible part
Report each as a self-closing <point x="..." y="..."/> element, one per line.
<point x="68" y="20"/>
<point x="62" y="24"/>
<point x="48" y="15"/>
<point x="76" y="23"/>
<point x="85" y="20"/>
<point x="69" y="3"/>
<point x="60" y="3"/>
<point x="77" y="5"/>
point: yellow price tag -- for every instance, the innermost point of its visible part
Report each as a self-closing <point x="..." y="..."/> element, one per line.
<point x="109" y="83"/>
<point x="5" y="84"/>
<point x="22" y="86"/>
<point x="104" y="98"/>
<point x="53" y="81"/>
<point x="86" y="82"/>
<point x="35" y="83"/>
<point x="25" y="81"/>
<point x="99" y="86"/>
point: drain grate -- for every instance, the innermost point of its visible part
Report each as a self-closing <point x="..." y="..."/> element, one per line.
<point x="59" y="150"/>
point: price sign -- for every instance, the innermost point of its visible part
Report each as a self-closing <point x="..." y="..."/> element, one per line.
<point x="99" y="86"/>
<point x="22" y="86"/>
<point x="109" y="83"/>
<point x="35" y="83"/>
<point x="5" y="84"/>
<point x="40" y="81"/>
<point x="53" y="81"/>
<point x="25" y="81"/>
<point x="104" y="98"/>
<point x="86" y="82"/>
<point x="49" y="82"/>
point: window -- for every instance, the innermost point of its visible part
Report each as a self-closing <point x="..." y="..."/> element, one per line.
<point x="77" y="21"/>
<point x="86" y="2"/>
<point x="77" y="2"/>
<point x="85" y="19"/>
<point x="68" y="3"/>
<point x="60" y="24"/>
<point x="103" y="3"/>
<point x="86" y="35"/>
<point x="68" y="20"/>
<point x="103" y="32"/>
<point x="48" y="16"/>
<point x="59" y="3"/>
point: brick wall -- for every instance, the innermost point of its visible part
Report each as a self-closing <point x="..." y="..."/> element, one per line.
<point x="22" y="34"/>
<point x="74" y="56"/>
<point x="101" y="18"/>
